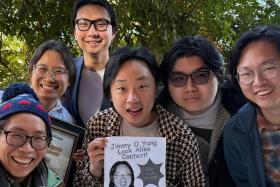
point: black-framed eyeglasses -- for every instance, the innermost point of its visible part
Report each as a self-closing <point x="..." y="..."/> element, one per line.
<point x="179" y="79"/>
<point x="42" y="71"/>
<point x="18" y="139"/>
<point x="99" y="24"/>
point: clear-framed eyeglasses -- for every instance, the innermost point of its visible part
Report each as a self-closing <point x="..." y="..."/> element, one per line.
<point x="99" y="25"/>
<point x="58" y="73"/>
<point x="247" y="77"/>
<point x="17" y="139"/>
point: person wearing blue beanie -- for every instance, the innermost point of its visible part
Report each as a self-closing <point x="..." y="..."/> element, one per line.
<point x="25" y="135"/>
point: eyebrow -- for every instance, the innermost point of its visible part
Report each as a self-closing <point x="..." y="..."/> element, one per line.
<point x="196" y="70"/>
<point x="268" y="61"/>
<point x="23" y="131"/>
<point x="142" y="78"/>
<point x="138" y="79"/>
<point x="125" y="172"/>
<point x="45" y="65"/>
<point x="103" y="18"/>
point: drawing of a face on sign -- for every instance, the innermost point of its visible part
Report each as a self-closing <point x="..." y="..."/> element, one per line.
<point x="121" y="175"/>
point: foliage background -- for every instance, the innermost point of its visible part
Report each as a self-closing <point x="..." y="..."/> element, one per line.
<point x="25" y="24"/>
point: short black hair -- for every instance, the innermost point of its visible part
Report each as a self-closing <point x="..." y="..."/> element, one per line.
<point x="62" y="50"/>
<point x="122" y="55"/>
<point x="113" y="171"/>
<point x="193" y="46"/>
<point x="270" y="33"/>
<point x="79" y="3"/>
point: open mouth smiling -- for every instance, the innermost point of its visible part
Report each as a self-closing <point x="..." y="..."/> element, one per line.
<point x="263" y="92"/>
<point x="48" y="87"/>
<point x="22" y="160"/>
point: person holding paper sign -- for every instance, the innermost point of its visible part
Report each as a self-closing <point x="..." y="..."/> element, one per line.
<point x="130" y="82"/>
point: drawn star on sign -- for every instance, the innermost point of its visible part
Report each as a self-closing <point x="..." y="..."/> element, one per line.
<point x="150" y="173"/>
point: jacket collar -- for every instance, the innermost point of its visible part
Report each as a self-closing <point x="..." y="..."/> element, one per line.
<point x="246" y="117"/>
<point x="39" y="177"/>
<point x="222" y="117"/>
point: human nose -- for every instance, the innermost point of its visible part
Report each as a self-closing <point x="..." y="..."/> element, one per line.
<point x="50" y="75"/>
<point x="258" y="79"/>
<point x="132" y="97"/>
<point x="27" y="146"/>
<point x="190" y="87"/>
<point x="92" y="29"/>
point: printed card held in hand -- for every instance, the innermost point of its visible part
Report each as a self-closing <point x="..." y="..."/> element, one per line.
<point x="135" y="161"/>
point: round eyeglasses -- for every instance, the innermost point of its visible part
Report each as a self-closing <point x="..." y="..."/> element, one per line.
<point x="247" y="77"/>
<point x="58" y="73"/>
<point x="179" y="79"/>
<point x="99" y="25"/>
<point x="18" y="139"/>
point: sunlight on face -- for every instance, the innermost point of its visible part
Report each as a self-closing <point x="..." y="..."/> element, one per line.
<point x="193" y="98"/>
<point x="21" y="161"/>
<point x="133" y="93"/>
<point x="255" y="58"/>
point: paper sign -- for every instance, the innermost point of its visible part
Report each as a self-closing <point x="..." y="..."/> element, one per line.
<point x="135" y="161"/>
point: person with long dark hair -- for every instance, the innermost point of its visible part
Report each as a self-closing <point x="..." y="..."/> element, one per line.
<point x="121" y="175"/>
<point x="196" y="91"/>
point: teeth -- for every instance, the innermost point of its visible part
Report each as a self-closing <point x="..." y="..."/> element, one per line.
<point x="48" y="87"/>
<point x="134" y="110"/>
<point x="264" y="92"/>
<point x="22" y="160"/>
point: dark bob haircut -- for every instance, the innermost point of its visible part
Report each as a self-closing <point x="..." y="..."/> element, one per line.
<point x="193" y="46"/>
<point x="113" y="171"/>
<point x="57" y="46"/>
<point x="79" y="3"/>
<point x="269" y="33"/>
<point x="122" y="55"/>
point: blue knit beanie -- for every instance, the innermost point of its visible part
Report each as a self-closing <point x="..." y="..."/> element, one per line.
<point x="19" y="98"/>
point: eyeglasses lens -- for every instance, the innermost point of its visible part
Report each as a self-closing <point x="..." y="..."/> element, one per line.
<point x="18" y="140"/>
<point x="198" y="78"/>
